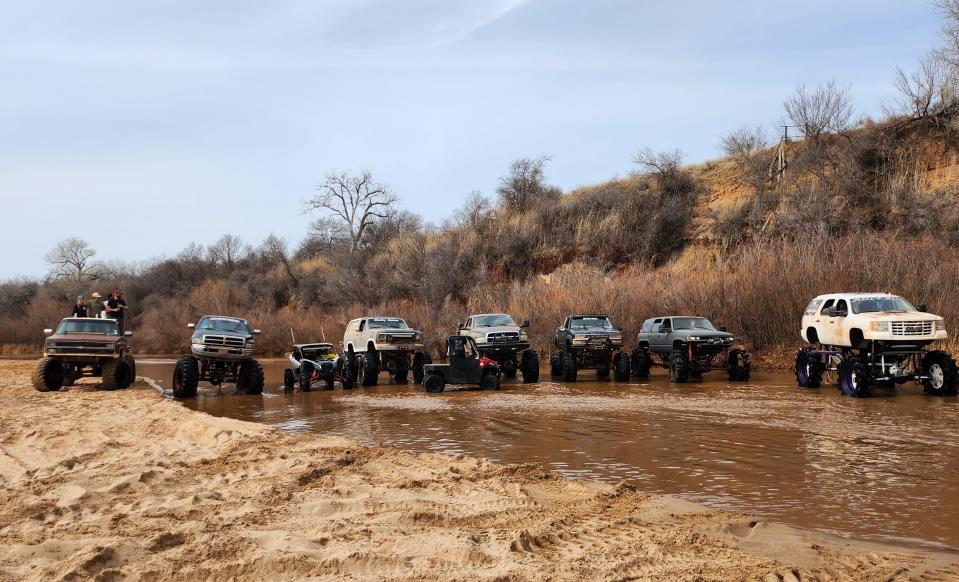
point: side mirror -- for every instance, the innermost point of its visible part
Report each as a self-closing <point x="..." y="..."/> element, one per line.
<point x="128" y="334"/>
<point x="723" y="328"/>
<point x="461" y="326"/>
<point x="48" y="331"/>
<point x="191" y="325"/>
<point x="256" y="332"/>
<point x="923" y="308"/>
<point x="831" y="312"/>
<point x="619" y="329"/>
<point x="525" y="323"/>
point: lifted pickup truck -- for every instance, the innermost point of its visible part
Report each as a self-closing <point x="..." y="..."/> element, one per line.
<point x="221" y="350"/>
<point x="375" y="343"/>
<point x="500" y="339"/>
<point x="589" y="342"/>
<point x="688" y="347"/>
<point x="85" y="346"/>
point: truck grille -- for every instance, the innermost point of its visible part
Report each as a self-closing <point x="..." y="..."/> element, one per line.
<point x="222" y="340"/>
<point x="911" y="328"/>
<point x="598" y="340"/>
<point x="502" y="337"/>
<point x="84" y="347"/>
<point x="397" y="339"/>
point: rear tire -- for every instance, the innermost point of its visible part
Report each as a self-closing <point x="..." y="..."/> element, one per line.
<point x="420" y="359"/>
<point x="133" y="367"/>
<point x="346" y="375"/>
<point x="306" y="377"/>
<point x="250" y="379"/>
<point x="329" y="384"/>
<point x="434" y="383"/>
<point x="569" y="366"/>
<point x="739" y="367"/>
<point x="288" y="380"/>
<point x="602" y="372"/>
<point x="508" y="368"/>
<point x="400" y="372"/>
<point x="490" y="381"/>
<point x="186" y="377"/>
<point x="641" y="363"/>
<point x="48" y="376"/>
<point x="529" y="364"/>
<point x="620" y="367"/>
<point x="369" y="369"/>
<point x="809" y="369"/>
<point x="855" y="378"/>
<point x="678" y="367"/>
<point x="943" y="378"/>
<point x="555" y="365"/>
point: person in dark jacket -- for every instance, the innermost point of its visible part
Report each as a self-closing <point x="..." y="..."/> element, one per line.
<point x="80" y="308"/>
<point x="116" y="307"/>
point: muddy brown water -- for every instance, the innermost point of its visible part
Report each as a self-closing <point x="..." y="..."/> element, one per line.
<point x="883" y="468"/>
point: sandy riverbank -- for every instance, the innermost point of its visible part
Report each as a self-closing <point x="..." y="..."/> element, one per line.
<point x="126" y="484"/>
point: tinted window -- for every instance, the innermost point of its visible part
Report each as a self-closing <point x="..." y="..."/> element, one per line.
<point x="223" y="324"/>
<point x="91" y="326"/>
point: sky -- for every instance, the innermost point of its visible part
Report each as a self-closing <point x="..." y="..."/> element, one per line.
<point x="142" y="126"/>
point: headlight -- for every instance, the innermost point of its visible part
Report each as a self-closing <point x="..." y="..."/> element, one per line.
<point x="880" y="326"/>
<point x="419" y="336"/>
<point x="382" y="337"/>
<point x="580" y="339"/>
<point x="694" y="338"/>
<point x="481" y="339"/>
<point x="940" y="325"/>
<point x="51" y="350"/>
<point x="523" y="337"/>
<point x="197" y="341"/>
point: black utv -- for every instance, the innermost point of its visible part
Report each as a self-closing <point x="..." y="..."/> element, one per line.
<point x="465" y="365"/>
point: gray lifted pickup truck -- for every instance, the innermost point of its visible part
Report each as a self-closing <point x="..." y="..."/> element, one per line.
<point x="687" y="347"/>
<point x="499" y="338"/>
<point x="589" y="342"/>
<point x="221" y="351"/>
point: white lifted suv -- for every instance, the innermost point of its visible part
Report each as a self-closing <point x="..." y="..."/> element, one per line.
<point x="873" y="339"/>
<point x="375" y="343"/>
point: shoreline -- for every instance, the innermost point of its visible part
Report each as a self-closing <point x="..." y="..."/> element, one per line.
<point x="129" y="484"/>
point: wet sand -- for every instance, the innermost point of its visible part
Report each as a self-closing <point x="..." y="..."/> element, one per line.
<point x="127" y="484"/>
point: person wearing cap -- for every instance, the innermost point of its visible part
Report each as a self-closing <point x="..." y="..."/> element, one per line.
<point x="116" y="307"/>
<point x="80" y="309"/>
<point x="95" y="305"/>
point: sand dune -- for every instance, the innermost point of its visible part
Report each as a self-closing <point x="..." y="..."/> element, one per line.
<point x="128" y="485"/>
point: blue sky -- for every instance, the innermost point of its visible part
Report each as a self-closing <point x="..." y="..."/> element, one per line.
<point x="143" y="126"/>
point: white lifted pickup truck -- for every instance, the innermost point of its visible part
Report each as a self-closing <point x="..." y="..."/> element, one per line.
<point x="873" y="339"/>
<point x="375" y="343"/>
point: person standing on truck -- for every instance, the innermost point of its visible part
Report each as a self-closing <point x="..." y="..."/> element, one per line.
<point x="116" y="307"/>
<point x="80" y="308"/>
<point x="95" y="305"/>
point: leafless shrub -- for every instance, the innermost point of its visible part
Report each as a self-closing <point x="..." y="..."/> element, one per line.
<point x="749" y="148"/>
<point x="827" y="109"/>
<point x="667" y="169"/>
<point x="929" y="91"/>
<point x="525" y="186"/>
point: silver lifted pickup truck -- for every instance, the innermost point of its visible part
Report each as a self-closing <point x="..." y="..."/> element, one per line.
<point x="500" y="339"/>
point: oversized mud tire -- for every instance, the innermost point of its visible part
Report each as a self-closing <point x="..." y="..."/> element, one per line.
<point x="678" y="366"/>
<point x="346" y="375"/>
<point x="329" y="384"/>
<point x="490" y="381"/>
<point x="420" y="359"/>
<point x="529" y="365"/>
<point x="620" y="367"/>
<point x="369" y="369"/>
<point x="602" y="372"/>
<point x="186" y="377"/>
<point x="48" y="376"/>
<point x="250" y="378"/>
<point x="569" y="366"/>
<point x="641" y="363"/>
<point x="855" y="378"/>
<point x="434" y="382"/>
<point x="399" y="370"/>
<point x="942" y="377"/>
<point x="809" y="369"/>
<point x="131" y="361"/>
<point x="509" y="369"/>
<point x="306" y="377"/>
<point x="739" y="367"/>
<point x="289" y="380"/>
<point x="555" y="364"/>
<point x="116" y="374"/>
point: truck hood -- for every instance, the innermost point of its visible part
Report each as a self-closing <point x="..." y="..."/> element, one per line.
<point x="899" y="316"/>
<point x="594" y="331"/>
<point x="704" y="333"/>
<point x="495" y="329"/>
<point x="202" y="332"/>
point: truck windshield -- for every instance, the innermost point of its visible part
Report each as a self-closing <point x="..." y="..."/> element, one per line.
<point x="692" y="323"/>
<point x="584" y="322"/>
<point x="223" y="324"/>
<point x="91" y="326"/>
<point x="386" y="324"/>
<point x="880" y="304"/>
<point x="492" y="320"/>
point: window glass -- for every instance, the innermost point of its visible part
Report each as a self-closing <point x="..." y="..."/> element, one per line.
<point x="811" y="309"/>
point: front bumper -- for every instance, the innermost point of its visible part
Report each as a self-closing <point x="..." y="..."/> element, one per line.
<point x="502" y="350"/>
<point x="905" y="338"/>
<point x="220" y="352"/>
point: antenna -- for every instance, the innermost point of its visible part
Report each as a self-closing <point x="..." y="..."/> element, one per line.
<point x="322" y="333"/>
<point x="292" y="335"/>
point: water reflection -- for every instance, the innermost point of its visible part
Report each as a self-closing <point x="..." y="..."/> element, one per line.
<point x="884" y="467"/>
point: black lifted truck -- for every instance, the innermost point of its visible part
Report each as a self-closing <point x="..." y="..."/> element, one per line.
<point x="465" y="365"/>
<point x="688" y="347"/>
<point x="85" y="346"/>
<point x="314" y="363"/>
<point x="589" y="342"/>
<point x="222" y="351"/>
<point x="500" y="339"/>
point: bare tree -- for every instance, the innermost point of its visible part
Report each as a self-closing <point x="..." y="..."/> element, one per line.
<point x="665" y="166"/>
<point x="827" y="109"/>
<point x="475" y="212"/>
<point x="72" y="260"/>
<point x="226" y="251"/>
<point x="929" y="91"/>
<point x="525" y="186"/>
<point x="949" y="10"/>
<point x="356" y="200"/>
<point x="749" y="148"/>
<point x="274" y="250"/>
